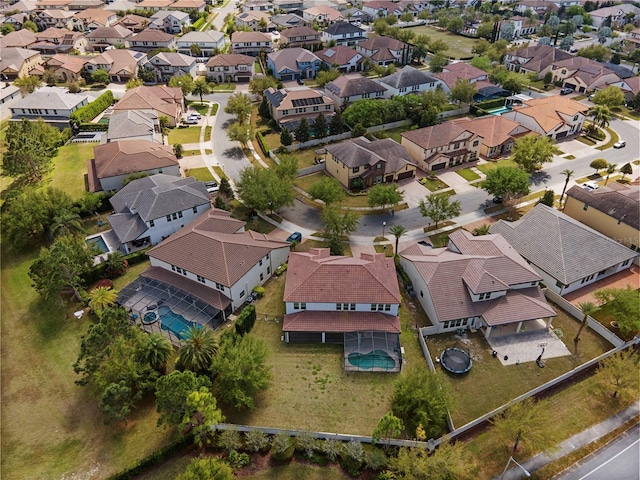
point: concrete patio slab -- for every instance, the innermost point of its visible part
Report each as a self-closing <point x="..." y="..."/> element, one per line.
<point x="526" y="346"/>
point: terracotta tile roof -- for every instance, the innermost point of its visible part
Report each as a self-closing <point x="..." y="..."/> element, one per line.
<point x="22" y="38"/>
<point x="546" y="111"/>
<point x="116" y="31"/>
<point x="317" y="321"/>
<point x="317" y="277"/>
<point x="435" y="136"/>
<point x="188" y="4"/>
<point x="303" y="31"/>
<point x="586" y="69"/>
<point x="73" y="63"/>
<point x="250" y="37"/>
<point x="162" y="99"/>
<point x="332" y="14"/>
<point x="631" y="84"/>
<point x="285" y="99"/>
<point x="97" y="15"/>
<point x="229" y="256"/>
<point x="230" y="60"/>
<point x="538" y="57"/>
<point x="152" y="35"/>
<point x="339" y="55"/>
<point x="119" y="61"/>
<point x="616" y="200"/>
<point x="154" y="4"/>
<point x="124" y="157"/>
<point x="378" y="43"/>
<point x="494" y="129"/>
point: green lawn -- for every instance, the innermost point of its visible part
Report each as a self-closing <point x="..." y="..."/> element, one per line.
<point x="221" y="87"/>
<point x="203" y="174"/>
<point x="468" y="174"/>
<point x="459" y="46"/>
<point x="191" y="153"/>
<point x="220" y="172"/>
<point x="184" y="135"/>
<point x="69" y="167"/>
<point x="486" y="167"/>
<point x="257" y="67"/>
<point x="432" y="184"/>
<point x="201" y="108"/>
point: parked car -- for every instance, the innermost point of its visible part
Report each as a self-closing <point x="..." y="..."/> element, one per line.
<point x="590" y="186"/>
<point x="191" y="121"/>
<point x="300" y="81"/>
<point x="195" y="115"/>
<point x="566" y="91"/>
<point x="212" y="187"/>
<point x="620" y="144"/>
<point x="573" y="50"/>
<point x="497" y="200"/>
<point x="295" y="237"/>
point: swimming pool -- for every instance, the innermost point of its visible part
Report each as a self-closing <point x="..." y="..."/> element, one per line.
<point x="98" y="242"/>
<point x="373" y="359"/>
<point x="499" y="111"/>
<point x="174" y="322"/>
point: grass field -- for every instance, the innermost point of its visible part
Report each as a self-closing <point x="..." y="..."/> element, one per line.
<point x="459" y="46"/>
<point x="486" y="167"/>
<point x="184" y="135"/>
<point x="432" y="184"/>
<point x="69" y="167"/>
<point x="468" y="174"/>
<point x="202" y="174"/>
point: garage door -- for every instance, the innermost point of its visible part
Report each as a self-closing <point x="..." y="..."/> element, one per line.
<point x="439" y="166"/>
<point x="405" y="175"/>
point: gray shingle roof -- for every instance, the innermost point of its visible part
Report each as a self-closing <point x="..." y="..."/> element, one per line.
<point x="407" y="77"/>
<point x="343" y="28"/>
<point x="131" y="123"/>
<point x="51" y="98"/>
<point x="621" y="202"/>
<point x="355" y="84"/>
<point x="127" y="226"/>
<point x="360" y="151"/>
<point x="561" y="246"/>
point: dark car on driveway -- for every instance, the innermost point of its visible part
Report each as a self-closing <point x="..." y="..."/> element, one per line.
<point x="566" y="91"/>
<point x="295" y="237"/>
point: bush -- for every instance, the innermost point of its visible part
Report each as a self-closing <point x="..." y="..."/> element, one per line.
<point x="198" y="23"/>
<point x="262" y="143"/>
<point x="245" y="320"/>
<point x="136" y="257"/>
<point x="258" y="290"/>
<point x="280" y="270"/>
<point x="282" y="448"/>
<point x="92" y="127"/>
<point x="92" y="110"/>
<point x="401" y="272"/>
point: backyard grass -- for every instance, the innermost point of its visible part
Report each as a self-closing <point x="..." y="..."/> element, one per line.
<point x="241" y="212"/>
<point x="203" y="174"/>
<point x="201" y="108"/>
<point x="223" y="87"/>
<point x="486" y="167"/>
<point x="459" y="46"/>
<point x="468" y="174"/>
<point x="257" y="67"/>
<point x="386" y="249"/>
<point x="69" y="167"/>
<point x="184" y="135"/>
<point x="432" y="184"/>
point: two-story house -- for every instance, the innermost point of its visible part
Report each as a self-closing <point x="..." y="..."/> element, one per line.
<point x="121" y="65"/>
<point x="147" y="210"/>
<point x="343" y="58"/>
<point x="385" y="51"/>
<point x="288" y="20"/>
<point x="539" y="7"/>
<point x="134" y="125"/>
<point x="618" y="15"/>
<point x="66" y="67"/>
<point x="150" y="39"/>
<point x="169" y="64"/>
<point x="135" y="23"/>
<point x="498" y="133"/>
<point x="409" y="80"/>
<point x="288" y="107"/>
<point x="555" y="117"/>
<point x="189" y="5"/>
<point x="293" y="63"/>
<point x="251" y="43"/>
<point x="323" y="15"/>
<point x="49" y="103"/>
<point x="476" y="283"/>
<point x="442" y="146"/>
<point x="343" y="33"/>
<point x="632" y="42"/>
<point x="582" y="74"/>
<point x="461" y="71"/>
<point x="256" y="6"/>
<point x="59" y="40"/>
<point x="18" y="62"/>
<point x="20" y="39"/>
<point x="209" y="43"/>
<point x="255" y="20"/>
<point x="54" y="19"/>
<point x="170" y="21"/>
<point x="537" y="59"/>
<point x="289" y="6"/>
<point x="303" y="36"/>
<point x="154" y="5"/>
<point x="163" y="101"/>
<point x="357" y="308"/>
<point x="92" y="18"/>
<point x="352" y="87"/>
<point x="630" y="87"/>
<point x="230" y="67"/>
<point x="381" y="8"/>
<point x="103" y="38"/>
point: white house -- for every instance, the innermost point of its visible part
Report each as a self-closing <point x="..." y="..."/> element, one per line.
<point x="555" y="117"/>
<point x="52" y="104"/>
<point x="169" y="64"/>
<point x="409" y="80"/>
<point x="352" y="87"/>
<point x="210" y="43"/>
<point x="343" y="33"/>
<point x="170" y="21"/>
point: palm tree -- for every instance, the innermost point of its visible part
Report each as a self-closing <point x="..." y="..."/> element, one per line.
<point x="481" y="230"/>
<point x="397" y="231"/>
<point x="587" y="308"/>
<point x="102" y="298"/>
<point x="66" y="222"/>
<point x="158" y="352"/>
<point x="611" y="168"/>
<point x="568" y="173"/>
<point x="201" y="87"/>
<point x="198" y="349"/>
<point x="601" y="115"/>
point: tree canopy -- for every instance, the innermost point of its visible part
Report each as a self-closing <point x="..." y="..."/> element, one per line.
<point x="625" y="305"/>
<point x="201" y="414"/>
<point x="530" y="152"/>
<point x="439" y="208"/>
<point x="505" y="181"/>
<point x="617" y="376"/>
<point x="381" y="195"/>
<point x="240" y="105"/>
<point x="264" y="190"/>
<point x="611" y="97"/>
<point x="171" y="395"/>
<point x="462" y="92"/>
<point x="328" y="189"/>
<point x="208" y="468"/>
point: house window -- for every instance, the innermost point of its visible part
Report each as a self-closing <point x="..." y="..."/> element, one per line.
<point x="201" y="279"/>
<point x="268" y="270"/>
<point x="220" y="286"/>
<point x="261" y="276"/>
<point x="533" y="284"/>
<point x="152" y="224"/>
<point x="485" y="296"/>
<point x="475" y="144"/>
<point x="260" y="262"/>
<point x="456" y="146"/>
<point x="174" y="216"/>
<point x="585" y="207"/>
<point x="355" y="169"/>
<point x="180" y="214"/>
<point x="421" y="294"/>
<point x="241" y="294"/>
<point x="168" y="218"/>
<point x="173" y="267"/>
<point x="195" y="209"/>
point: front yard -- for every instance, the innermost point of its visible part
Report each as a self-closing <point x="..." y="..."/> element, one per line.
<point x="184" y="135"/>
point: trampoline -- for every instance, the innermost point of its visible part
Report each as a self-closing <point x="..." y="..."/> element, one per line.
<point x="456" y="360"/>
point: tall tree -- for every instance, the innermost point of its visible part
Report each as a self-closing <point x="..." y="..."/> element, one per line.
<point x="101" y="298"/>
<point x="171" y="395"/>
<point x="184" y="82"/>
<point x="201" y="87"/>
<point x="448" y="461"/>
<point x="530" y="152"/>
<point x="601" y="115"/>
<point x="27" y="84"/>
<point x="262" y="189"/>
<point x="258" y="85"/>
<point x="197" y="350"/>
<point x="158" y="352"/>
<point x="609" y="97"/>
<point x="287" y="168"/>
<point x="286" y="138"/>
<point x="320" y="126"/>
<point x="462" y="92"/>
<point x="339" y="222"/>
<point x="587" y="309"/>
<point x="240" y="132"/>
<point x="439" y="208"/>
<point x="117" y="400"/>
<point x="617" y="376"/>
<point x="626" y="169"/>
<point x="388" y="427"/>
<point x="598" y="164"/>
<point x="611" y="169"/>
<point x="303" y="131"/>
<point x="625" y="305"/>
<point x="201" y="415"/>
<point x="397" y="231"/>
<point x="239" y="104"/>
<point x="263" y="109"/>
<point x="380" y="195"/>
<point x="568" y="174"/>
<point x="438" y="62"/>
<point x="337" y="124"/>
<point x="328" y="189"/>
<point x="66" y="222"/>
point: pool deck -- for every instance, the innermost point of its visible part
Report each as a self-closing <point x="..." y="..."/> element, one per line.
<point x="111" y="240"/>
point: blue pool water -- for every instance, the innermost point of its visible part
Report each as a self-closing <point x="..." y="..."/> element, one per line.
<point x="99" y="243"/>
<point x="173" y="322"/>
<point x="499" y="111"/>
<point x="374" y="359"/>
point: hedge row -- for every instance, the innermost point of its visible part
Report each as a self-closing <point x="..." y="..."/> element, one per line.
<point x="401" y="272"/>
<point x="93" y="127"/>
<point x="92" y="110"/>
<point x="198" y="23"/>
<point x="245" y="320"/>
<point x="263" y="143"/>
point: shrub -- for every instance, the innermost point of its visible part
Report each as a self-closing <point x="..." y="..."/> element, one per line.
<point x="238" y="460"/>
<point x="198" y="23"/>
<point x="245" y="320"/>
<point x="258" y="290"/>
<point x="282" y="448"/>
<point x="352" y="457"/>
<point x="256" y="441"/>
<point x="280" y="270"/>
<point x="92" y="110"/>
<point x="263" y="143"/>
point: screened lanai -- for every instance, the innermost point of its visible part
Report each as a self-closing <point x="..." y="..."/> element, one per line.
<point x="372" y="351"/>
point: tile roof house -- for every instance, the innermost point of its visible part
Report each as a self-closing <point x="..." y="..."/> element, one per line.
<point x="619" y="15"/>
<point x="342" y="300"/>
<point x="8" y="93"/>
<point x="613" y="210"/>
<point x="555" y="117"/>
<point x="230" y="67"/>
<point x="385" y="51"/>
<point x="460" y="71"/>
<point x="359" y="162"/>
<point x="475" y="282"/>
<point x="289" y="106"/>
<point x="148" y="210"/>
<point x="55" y="18"/>
<point x="442" y="146"/>
<point x="497" y="132"/>
<point x="169" y="64"/>
<point x="537" y="59"/>
<point x="167" y="101"/>
<point x="135" y="23"/>
<point x="256" y="6"/>
<point x="92" y="18"/>
<point x="209" y="42"/>
<point x="24" y="6"/>
<point x="540" y="7"/>
<point x="322" y="14"/>
<point x="51" y="104"/>
<point x="582" y="74"/>
<point x="114" y="161"/>
<point x="154" y="5"/>
<point x="18" y="62"/>
<point x="251" y="43"/>
<point x="632" y="42"/>
<point x="189" y="5"/>
<point x="343" y="33"/>
<point x="567" y="254"/>
<point x="381" y="8"/>
<point x="351" y="87"/>
<point x="254" y="19"/>
<point x="103" y="38"/>
<point x="134" y="125"/>
<point x="215" y="251"/>
<point x="150" y="39"/>
<point x="289" y="6"/>
<point x="170" y="21"/>
<point x="303" y="36"/>
<point x="629" y="86"/>
<point x="20" y="39"/>
<point x="343" y="58"/>
<point x="16" y="20"/>
<point x="66" y="67"/>
<point x="59" y="40"/>
<point x="288" y="20"/>
<point x="293" y="63"/>
<point x="122" y="65"/>
<point x="409" y="80"/>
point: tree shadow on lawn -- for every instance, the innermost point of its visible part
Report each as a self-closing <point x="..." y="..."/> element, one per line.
<point x="540" y="178"/>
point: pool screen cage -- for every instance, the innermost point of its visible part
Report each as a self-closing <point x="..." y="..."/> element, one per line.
<point x="145" y="295"/>
<point x="377" y="346"/>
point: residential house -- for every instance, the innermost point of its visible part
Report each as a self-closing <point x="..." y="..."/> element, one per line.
<point x="16" y="20"/>
<point x="255" y="20"/>
<point x="9" y="93"/>
<point x="538" y="59"/>
<point x="289" y="6"/>
<point x="189" y="5"/>
<point x="114" y="161"/>
<point x="356" y="16"/>
<point x="103" y="38"/>
<point x="497" y="132"/>
<point x="66" y="67"/>
<point x="539" y="7"/>
<point x="169" y="64"/>
<point x="54" y="19"/>
<point x="461" y="71"/>
<point x="322" y="15"/>
<point x="364" y="319"/>
<point x="343" y="58"/>
<point x="53" y="4"/>
<point x="361" y="163"/>
<point x="632" y="42"/>
<point x="18" y="62"/>
<point x="616" y="16"/>
<point x="629" y="86"/>
<point x="569" y="254"/>
<point x="24" y="6"/>
<point x="154" y="5"/>
<point x="135" y="23"/>
<point x="305" y="37"/>
<point x="230" y="67"/>
<point x="121" y="65"/>
<point x="288" y="20"/>
<point x="19" y="39"/>
<point x="209" y="43"/>
<point x="288" y="107"/>
<point x="164" y="101"/>
<point x="381" y="8"/>
<point x="522" y="26"/>
<point x="582" y="74"/>
<point x="134" y="125"/>
<point x="170" y="21"/>
<point x="612" y="210"/>
<point x="476" y="283"/>
<point x="555" y="117"/>
<point x="293" y="63"/>
<point x="385" y="51"/>
<point x="51" y="104"/>
<point x="256" y="6"/>
<point x="59" y="40"/>
<point x="79" y="5"/>
<point x="92" y="18"/>
<point x="343" y="33"/>
<point x="352" y="87"/>
<point x="121" y="6"/>
<point x="150" y="209"/>
<point x="442" y="146"/>
<point x="251" y="43"/>
<point x="214" y="256"/>
<point x="149" y="39"/>
<point x="409" y="80"/>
